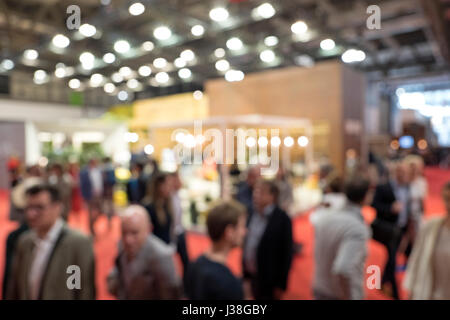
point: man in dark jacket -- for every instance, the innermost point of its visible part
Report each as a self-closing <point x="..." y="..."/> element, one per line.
<point x="392" y="204"/>
<point x="268" y="246"/>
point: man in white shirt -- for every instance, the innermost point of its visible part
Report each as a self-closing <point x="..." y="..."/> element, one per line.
<point x="45" y="253"/>
<point x="341" y="248"/>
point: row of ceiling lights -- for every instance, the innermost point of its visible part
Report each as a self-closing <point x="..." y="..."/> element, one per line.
<point x="218" y="14"/>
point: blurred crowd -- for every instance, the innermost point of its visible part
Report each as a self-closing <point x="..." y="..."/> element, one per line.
<point x="258" y="219"/>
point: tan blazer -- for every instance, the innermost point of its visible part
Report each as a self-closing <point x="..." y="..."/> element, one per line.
<point x="71" y="248"/>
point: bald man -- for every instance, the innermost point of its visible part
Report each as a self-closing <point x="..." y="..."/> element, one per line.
<point x="144" y="268"/>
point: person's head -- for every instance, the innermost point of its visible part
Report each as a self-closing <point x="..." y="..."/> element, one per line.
<point x="253" y="175"/>
<point x="106" y="160"/>
<point x="357" y="190"/>
<point x="226" y="223"/>
<point x="43" y="207"/>
<point x="335" y="185"/>
<point x="136" y="227"/>
<point x="175" y="181"/>
<point x="57" y="169"/>
<point x="34" y="171"/>
<point x="446" y="197"/>
<point x="92" y="163"/>
<point x="160" y="187"/>
<point x="265" y="193"/>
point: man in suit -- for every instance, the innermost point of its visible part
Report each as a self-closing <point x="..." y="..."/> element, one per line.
<point x="268" y="247"/>
<point x="144" y="268"/>
<point x="91" y="184"/>
<point x="46" y="254"/>
<point x="392" y="202"/>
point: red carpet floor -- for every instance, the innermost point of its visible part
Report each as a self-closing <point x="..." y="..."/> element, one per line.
<point x="302" y="271"/>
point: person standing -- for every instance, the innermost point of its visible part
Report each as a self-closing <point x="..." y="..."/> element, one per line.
<point x="268" y="247"/>
<point x="109" y="180"/>
<point x="245" y="189"/>
<point x="392" y="204"/>
<point x="144" y="268"/>
<point x="428" y="273"/>
<point x="180" y="236"/>
<point x="341" y="247"/>
<point x="91" y="183"/>
<point x="209" y="278"/>
<point x="46" y="252"/>
<point x="63" y="182"/>
<point x="159" y="208"/>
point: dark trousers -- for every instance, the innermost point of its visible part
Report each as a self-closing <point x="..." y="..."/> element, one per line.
<point x="391" y="264"/>
<point x="259" y="291"/>
<point x="182" y="251"/>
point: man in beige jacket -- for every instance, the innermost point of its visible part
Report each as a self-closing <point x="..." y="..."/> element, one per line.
<point x="428" y="273"/>
<point x="52" y="261"/>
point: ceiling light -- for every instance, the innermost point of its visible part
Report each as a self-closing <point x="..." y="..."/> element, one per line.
<point x="197" y="30"/>
<point x="148" y="46"/>
<point x="263" y="142"/>
<point x="180" y="63"/>
<point x="198" y="95"/>
<point x="250" y="142"/>
<point x="219" y="14"/>
<point x="40" y="76"/>
<point x="219" y="53"/>
<point x="145" y="71"/>
<point x="303" y="141"/>
<point x="327" y="44"/>
<point x="136" y="9"/>
<point x="74" y="83"/>
<point x="304" y="61"/>
<point x="266" y="10"/>
<point x="96" y="80"/>
<point x="121" y="46"/>
<point x="222" y="65"/>
<point x="299" y="27"/>
<point x="109" y="57"/>
<point x="160" y="63"/>
<point x="122" y="95"/>
<point x="31" y="54"/>
<point x="117" y="77"/>
<point x="234" y="44"/>
<point x="234" y="75"/>
<point x="267" y="56"/>
<point x="87" y="58"/>
<point x="87" y="30"/>
<point x="180" y="137"/>
<point x="109" y="87"/>
<point x="149" y="149"/>
<point x="162" y="33"/>
<point x="271" y="41"/>
<point x="288" y="142"/>
<point x="60" y="72"/>
<point x="125" y="72"/>
<point x="275" y="141"/>
<point x="60" y="41"/>
<point x="132" y="83"/>
<point x="187" y="55"/>
<point x="162" y="77"/>
<point x="7" y="64"/>
<point x="184" y="73"/>
<point x="353" y="55"/>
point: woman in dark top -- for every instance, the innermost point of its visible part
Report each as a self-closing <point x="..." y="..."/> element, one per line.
<point x="209" y="278"/>
<point x="159" y="208"/>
